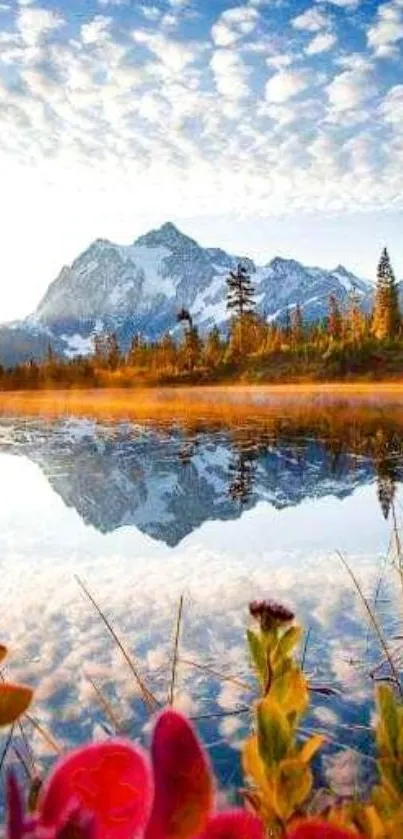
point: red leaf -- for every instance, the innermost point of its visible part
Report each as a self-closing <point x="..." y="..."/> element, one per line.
<point x="14" y="701"/>
<point x="183" y="780"/>
<point x="321" y="830"/>
<point x="110" y="781"/>
<point x="234" y="824"/>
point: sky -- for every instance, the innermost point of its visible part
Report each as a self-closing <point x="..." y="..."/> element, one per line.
<point x="269" y="127"/>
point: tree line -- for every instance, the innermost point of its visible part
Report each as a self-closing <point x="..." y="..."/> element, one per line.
<point x="348" y="341"/>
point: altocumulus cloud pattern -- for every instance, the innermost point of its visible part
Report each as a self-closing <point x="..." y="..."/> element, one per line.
<point x="292" y="104"/>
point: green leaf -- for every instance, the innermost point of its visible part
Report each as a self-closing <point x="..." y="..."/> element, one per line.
<point x="287" y="642"/>
<point x="274" y="732"/>
<point x="392" y="775"/>
<point x="293" y="785"/>
<point x="290" y="691"/>
<point x="258" y="653"/>
<point x="388" y="730"/>
<point x="310" y="747"/>
<point x="14" y="701"/>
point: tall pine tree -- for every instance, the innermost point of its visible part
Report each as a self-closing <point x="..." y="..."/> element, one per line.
<point x="335" y="321"/>
<point x="240" y="301"/>
<point x="240" y="294"/>
<point x="386" y="317"/>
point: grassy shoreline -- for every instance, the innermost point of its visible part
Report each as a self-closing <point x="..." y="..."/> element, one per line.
<point x="305" y="406"/>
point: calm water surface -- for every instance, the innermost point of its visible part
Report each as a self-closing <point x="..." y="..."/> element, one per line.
<point x="143" y="515"/>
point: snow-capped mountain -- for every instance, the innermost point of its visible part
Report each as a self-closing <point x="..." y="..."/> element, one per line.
<point x="141" y="287"/>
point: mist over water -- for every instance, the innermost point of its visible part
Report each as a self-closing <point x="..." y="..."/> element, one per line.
<point x="143" y="514"/>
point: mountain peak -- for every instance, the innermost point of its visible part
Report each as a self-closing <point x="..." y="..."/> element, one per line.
<point x="340" y="269"/>
<point x="167" y="236"/>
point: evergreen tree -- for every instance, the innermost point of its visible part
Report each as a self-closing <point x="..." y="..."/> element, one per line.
<point x="184" y="316"/>
<point x="167" y="352"/>
<point x="287" y="323"/>
<point x="134" y="353"/>
<point x="240" y="301"/>
<point x="335" y="323"/>
<point x="386" y="317"/>
<point x="213" y="348"/>
<point x="50" y="356"/>
<point x="99" y="349"/>
<point x="191" y="349"/>
<point x="112" y="351"/>
<point x="355" y="323"/>
<point x="297" y="328"/>
<point x="240" y="293"/>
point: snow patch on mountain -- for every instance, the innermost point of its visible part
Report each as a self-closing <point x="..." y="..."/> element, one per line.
<point x="151" y="262"/>
<point x="77" y="345"/>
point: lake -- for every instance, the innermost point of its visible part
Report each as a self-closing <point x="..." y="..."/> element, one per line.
<point x="261" y="500"/>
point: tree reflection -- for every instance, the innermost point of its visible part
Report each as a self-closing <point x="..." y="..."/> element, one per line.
<point x="387" y="452"/>
<point x="242" y="468"/>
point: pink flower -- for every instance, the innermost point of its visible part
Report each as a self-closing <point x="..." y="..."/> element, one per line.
<point x="313" y="829"/>
<point x="110" y="791"/>
<point x="111" y="781"/>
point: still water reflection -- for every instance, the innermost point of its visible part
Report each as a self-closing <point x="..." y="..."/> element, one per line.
<point x="143" y="515"/>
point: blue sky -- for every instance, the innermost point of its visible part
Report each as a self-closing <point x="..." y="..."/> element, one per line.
<point x="268" y="126"/>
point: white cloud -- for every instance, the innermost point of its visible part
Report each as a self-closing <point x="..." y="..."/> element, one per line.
<point x="279" y="61"/>
<point x="173" y="55"/>
<point x="230" y="74"/>
<point x="285" y="85"/>
<point x="391" y="108"/>
<point x="350" y="89"/>
<point x="156" y="109"/>
<point x="233" y="25"/>
<point x="96" y="31"/>
<point x="321" y="43"/>
<point x="355" y="61"/>
<point x="287" y="114"/>
<point x="384" y="35"/>
<point x="35" y="24"/>
<point x="313" y="20"/>
<point x="362" y="151"/>
<point x="151" y="13"/>
<point x="170" y="21"/>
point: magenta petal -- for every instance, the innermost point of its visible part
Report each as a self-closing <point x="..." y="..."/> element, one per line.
<point x="234" y="824"/>
<point x="109" y="782"/>
<point x="183" y="798"/>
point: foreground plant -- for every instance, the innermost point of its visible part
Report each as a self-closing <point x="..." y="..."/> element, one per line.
<point x="112" y="791"/>
<point x="278" y="766"/>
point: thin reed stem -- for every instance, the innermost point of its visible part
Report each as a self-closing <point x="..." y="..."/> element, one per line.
<point x="149" y="699"/>
<point x="375" y="624"/>
<point x="176" y="650"/>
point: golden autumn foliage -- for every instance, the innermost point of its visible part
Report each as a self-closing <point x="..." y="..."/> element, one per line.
<point x="277" y="763"/>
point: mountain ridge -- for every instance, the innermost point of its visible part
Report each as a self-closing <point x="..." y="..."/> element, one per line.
<point x="141" y="286"/>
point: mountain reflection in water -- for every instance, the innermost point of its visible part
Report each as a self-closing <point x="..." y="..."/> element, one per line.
<point x="143" y="514"/>
<point x="120" y="475"/>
